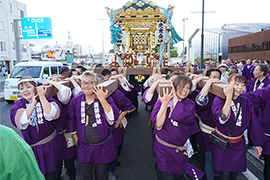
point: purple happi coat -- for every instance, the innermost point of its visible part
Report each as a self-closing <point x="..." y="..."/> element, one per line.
<point x="246" y="72"/>
<point x="205" y="112"/>
<point x="175" y="131"/>
<point x="103" y="153"/>
<point x="233" y="159"/>
<point x="48" y="155"/>
<point x="251" y="84"/>
<point x="70" y="152"/>
<point x="261" y="99"/>
<point x="153" y="100"/>
<point x="123" y="104"/>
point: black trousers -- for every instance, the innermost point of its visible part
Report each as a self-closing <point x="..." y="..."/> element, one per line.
<point x="165" y="176"/>
<point x="87" y="169"/>
<point x="55" y="175"/>
<point x="71" y="170"/>
<point x="266" y="171"/>
<point x="227" y="175"/>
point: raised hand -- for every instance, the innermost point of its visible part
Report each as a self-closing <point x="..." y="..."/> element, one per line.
<point x="47" y="83"/>
<point x="41" y="90"/>
<point x="34" y="99"/>
<point x="211" y="81"/>
<point x="167" y="96"/>
<point x="101" y="95"/>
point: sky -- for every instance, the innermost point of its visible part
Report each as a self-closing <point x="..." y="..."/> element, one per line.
<point x="82" y="18"/>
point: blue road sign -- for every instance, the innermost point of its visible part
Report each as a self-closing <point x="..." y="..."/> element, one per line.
<point x="36" y="28"/>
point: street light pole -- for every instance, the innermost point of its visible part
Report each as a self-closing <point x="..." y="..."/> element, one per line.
<point x="183" y="50"/>
<point x="202" y="36"/>
<point x="102" y="41"/>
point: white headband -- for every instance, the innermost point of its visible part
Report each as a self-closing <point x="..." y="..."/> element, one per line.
<point x="27" y="80"/>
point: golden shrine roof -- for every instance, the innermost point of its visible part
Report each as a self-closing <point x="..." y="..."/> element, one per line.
<point x="139" y="9"/>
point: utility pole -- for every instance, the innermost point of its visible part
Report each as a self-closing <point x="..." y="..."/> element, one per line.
<point x="202" y="35"/>
<point x="17" y="40"/>
<point x="103" y="60"/>
<point x="183" y="50"/>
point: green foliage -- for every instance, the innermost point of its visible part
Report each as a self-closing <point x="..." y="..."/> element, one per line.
<point x="111" y="51"/>
<point x="204" y="59"/>
<point x="174" y="53"/>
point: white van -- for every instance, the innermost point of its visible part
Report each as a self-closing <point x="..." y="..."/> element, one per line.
<point x="37" y="69"/>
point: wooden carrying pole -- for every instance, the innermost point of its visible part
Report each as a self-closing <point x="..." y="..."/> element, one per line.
<point x="216" y="89"/>
<point x="144" y="71"/>
<point x="110" y="85"/>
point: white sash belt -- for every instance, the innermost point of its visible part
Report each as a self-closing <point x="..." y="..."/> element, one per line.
<point x="205" y="128"/>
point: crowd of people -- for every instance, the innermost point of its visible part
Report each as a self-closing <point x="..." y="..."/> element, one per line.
<point x="83" y="123"/>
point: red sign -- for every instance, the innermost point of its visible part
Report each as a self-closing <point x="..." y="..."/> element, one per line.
<point x="51" y="55"/>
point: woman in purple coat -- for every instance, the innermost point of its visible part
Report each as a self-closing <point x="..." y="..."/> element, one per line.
<point x="92" y="122"/>
<point x="233" y="159"/>
<point x="36" y="116"/>
<point x="172" y="116"/>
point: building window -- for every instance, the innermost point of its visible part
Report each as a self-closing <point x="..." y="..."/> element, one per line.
<point x="266" y="46"/>
<point x="20" y="13"/>
<point x="1" y="26"/>
<point x="23" y="48"/>
<point x="2" y="46"/>
<point x="11" y="26"/>
<point x="10" y="7"/>
<point x="257" y="47"/>
<point x="13" y="45"/>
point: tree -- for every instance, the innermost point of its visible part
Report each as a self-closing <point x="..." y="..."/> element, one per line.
<point x="174" y="53"/>
<point x="111" y="51"/>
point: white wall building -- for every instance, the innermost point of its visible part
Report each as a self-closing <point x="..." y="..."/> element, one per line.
<point x="55" y="53"/>
<point x="77" y="50"/>
<point x="10" y="10"/>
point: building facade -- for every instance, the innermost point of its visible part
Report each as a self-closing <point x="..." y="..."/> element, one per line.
<point x="216" y="40"/>
<point x="10" y="10"/>
<point x="252" y="46"/>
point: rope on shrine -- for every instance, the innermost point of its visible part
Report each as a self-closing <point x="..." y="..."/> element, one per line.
<point x="175" y="37"/>
<point x="122" y="69"/>
<point x="156" y="70"/>
<point x="116" y="33"/>
<point x="91" y="69"/>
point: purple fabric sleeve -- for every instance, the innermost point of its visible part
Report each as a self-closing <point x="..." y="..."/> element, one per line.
<point x="153" y="100"/>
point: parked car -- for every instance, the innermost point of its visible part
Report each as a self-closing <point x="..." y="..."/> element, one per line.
<point x="38" y="70"/>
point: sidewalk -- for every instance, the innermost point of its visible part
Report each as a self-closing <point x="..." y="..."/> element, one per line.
<point x="254" y="159"/>
<point x="2" y="82"/>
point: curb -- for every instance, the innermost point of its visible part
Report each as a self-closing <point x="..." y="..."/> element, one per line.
<point x="2" y="99"/>
<point x="254" y="159"/>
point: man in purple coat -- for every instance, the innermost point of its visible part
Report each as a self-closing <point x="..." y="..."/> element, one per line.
<point x="261" y="99"/>
<point x="125" y="106"/>
<point x="259" y="81"/>
<point x="246" y="70"/>
<point x="63" y="96"/>
<point x="204" y="101"/>
<point x="92" y="122"/>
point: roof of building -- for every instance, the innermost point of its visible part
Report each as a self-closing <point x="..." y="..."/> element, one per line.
<point x="247" y="27"/>
<point x="236" y="28"/>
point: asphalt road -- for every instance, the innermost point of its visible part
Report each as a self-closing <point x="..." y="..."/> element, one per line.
<point x="136" y="157"/>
